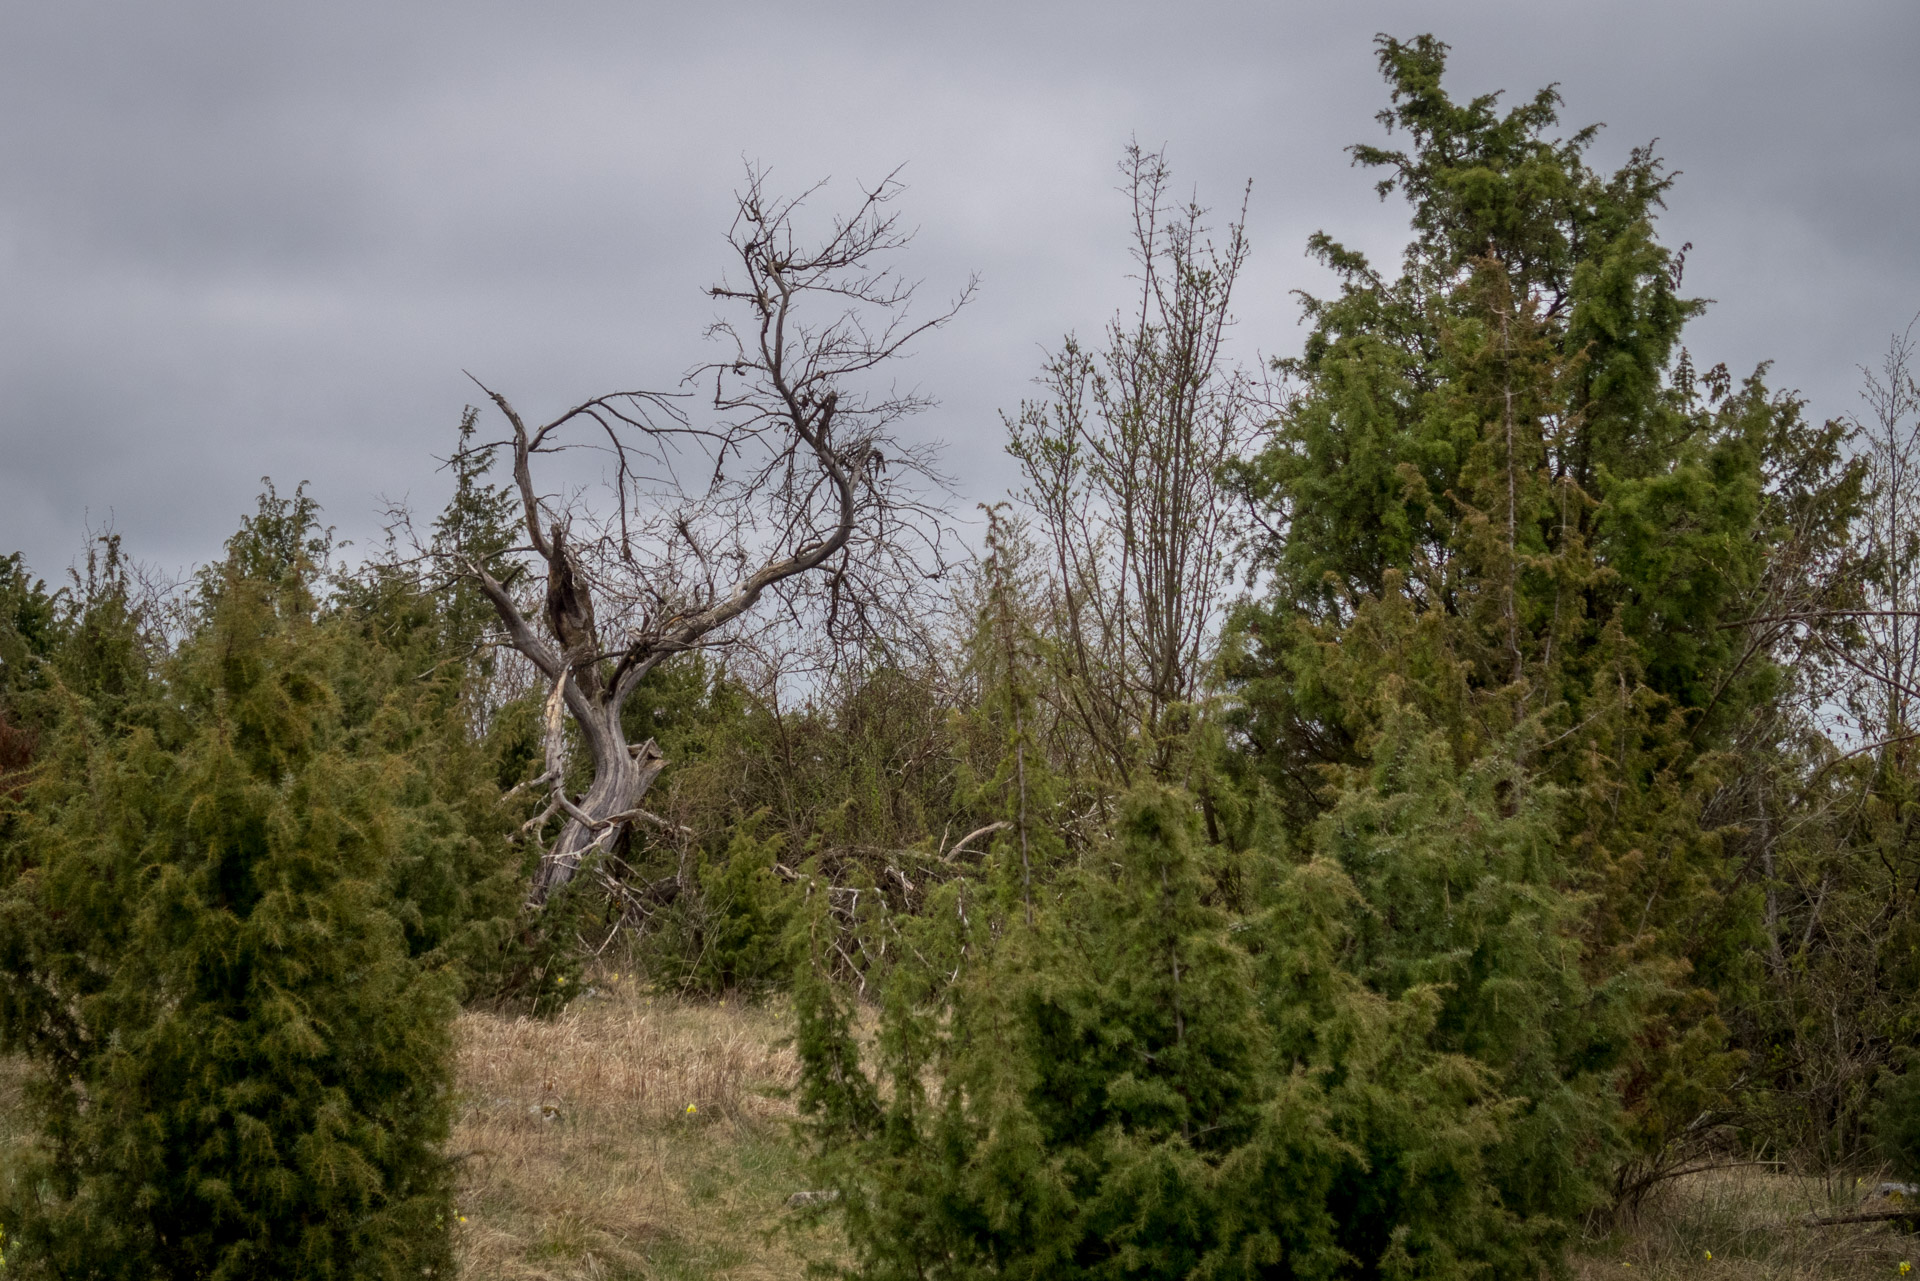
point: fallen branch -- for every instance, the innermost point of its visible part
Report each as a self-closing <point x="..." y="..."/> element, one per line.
<point x="1639" y="1187"/>
<point x="1861" y="1216"/>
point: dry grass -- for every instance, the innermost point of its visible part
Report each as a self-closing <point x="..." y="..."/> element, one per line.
<point x="1750" y="1220"/>
<point x="622" y="1184"/>
<point x="13" y="1114"/>
<point x="580" y="1158"/>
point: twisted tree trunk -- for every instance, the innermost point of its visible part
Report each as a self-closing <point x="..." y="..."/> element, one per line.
<point x="810" y="490"/>
<point x="578" y="667"/>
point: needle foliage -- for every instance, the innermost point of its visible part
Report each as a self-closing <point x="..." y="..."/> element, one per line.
<point x="242" y="1069"/>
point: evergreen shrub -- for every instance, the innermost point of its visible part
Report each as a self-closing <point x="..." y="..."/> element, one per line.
<point x="731" y="936"/>
<point x="1897" y="1123"/>
<point x="1142" y="1085"/>
<point x="241" y="1070"/>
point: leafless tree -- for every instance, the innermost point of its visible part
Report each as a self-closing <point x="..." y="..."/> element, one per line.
<point x="1888" y="658"/>
<point x="1122" y="460"/>
<point x="1859" y="620"/>
<point x="807" y="501"/>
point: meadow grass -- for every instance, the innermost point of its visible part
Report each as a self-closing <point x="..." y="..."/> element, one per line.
<point x="1752" y="1221"/>
<point x="625" y="1183"/>
<point x="578" y="1158"/>
<point x="635" y="1135"/>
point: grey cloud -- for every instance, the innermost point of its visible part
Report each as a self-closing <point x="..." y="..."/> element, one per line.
<point x="239" y="240"/>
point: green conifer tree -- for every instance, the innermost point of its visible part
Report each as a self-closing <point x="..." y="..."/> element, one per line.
<point x="1141" y="1086"/>
<point x="240" y="1070"/>
<point x="1498" y="493"/>
<point x="418" y="684"/>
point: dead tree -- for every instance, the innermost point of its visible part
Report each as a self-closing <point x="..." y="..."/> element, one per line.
<point x="808" y="499"/>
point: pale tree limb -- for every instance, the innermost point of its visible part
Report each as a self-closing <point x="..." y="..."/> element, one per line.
<point x="970" y="837"/>
<point x="808" y="486"/>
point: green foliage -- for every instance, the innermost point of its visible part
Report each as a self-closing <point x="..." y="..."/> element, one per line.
<point x="1897" y="1124"/>
<point x="1493" y="431"/>
<point x="94" y="636"/>
<point x="1519" y="858"/>
<point x="420" y="682"/>
<point x="1023" y="791"/>
<point x="731" y="936"/>
<point x="1140" y="1086"/>
<point x="1460" y="873"/>
<point x="1837" y="960"/>
<point x="28" y="634"/>
<point x="29" y="631"/>
<point x="242" y="1070"/>
<point x="406" y="692"/>
<point x="1827" y="798"/>
<point x="478" y="525"/>
<point x="866" y="781"/>
<point x="1500" y="494"/>
<point x="868" y="760"/>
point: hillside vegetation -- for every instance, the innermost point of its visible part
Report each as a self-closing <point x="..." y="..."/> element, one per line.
<point x="1440" y="805"/>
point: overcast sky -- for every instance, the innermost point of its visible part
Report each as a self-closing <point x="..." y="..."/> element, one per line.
<point x="256" y="239"/>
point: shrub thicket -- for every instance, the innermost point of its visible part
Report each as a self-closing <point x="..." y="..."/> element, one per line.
<point x="1143" y="1085"/>
<point x="242" y="1067"/>
<point x="1541" y="820"/>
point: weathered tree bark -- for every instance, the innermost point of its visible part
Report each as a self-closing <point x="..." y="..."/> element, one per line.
<point x="816" y="486"/>
<point x="576" y="663"/>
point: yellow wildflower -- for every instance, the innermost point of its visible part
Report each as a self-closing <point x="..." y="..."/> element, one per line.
<point x="691" y="1109"/>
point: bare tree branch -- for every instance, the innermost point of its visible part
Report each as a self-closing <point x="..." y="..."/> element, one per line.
<point x="810" y="497"/>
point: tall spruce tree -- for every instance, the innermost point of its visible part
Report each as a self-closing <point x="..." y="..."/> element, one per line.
<point x="240" y="1070"/>
<point x="1494" y="436"/>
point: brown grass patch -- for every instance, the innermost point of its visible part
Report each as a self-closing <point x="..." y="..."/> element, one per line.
<point x="1751" y="1220"/>
<point x="13" y="1105"/>
<point x="580" y="1158"/>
